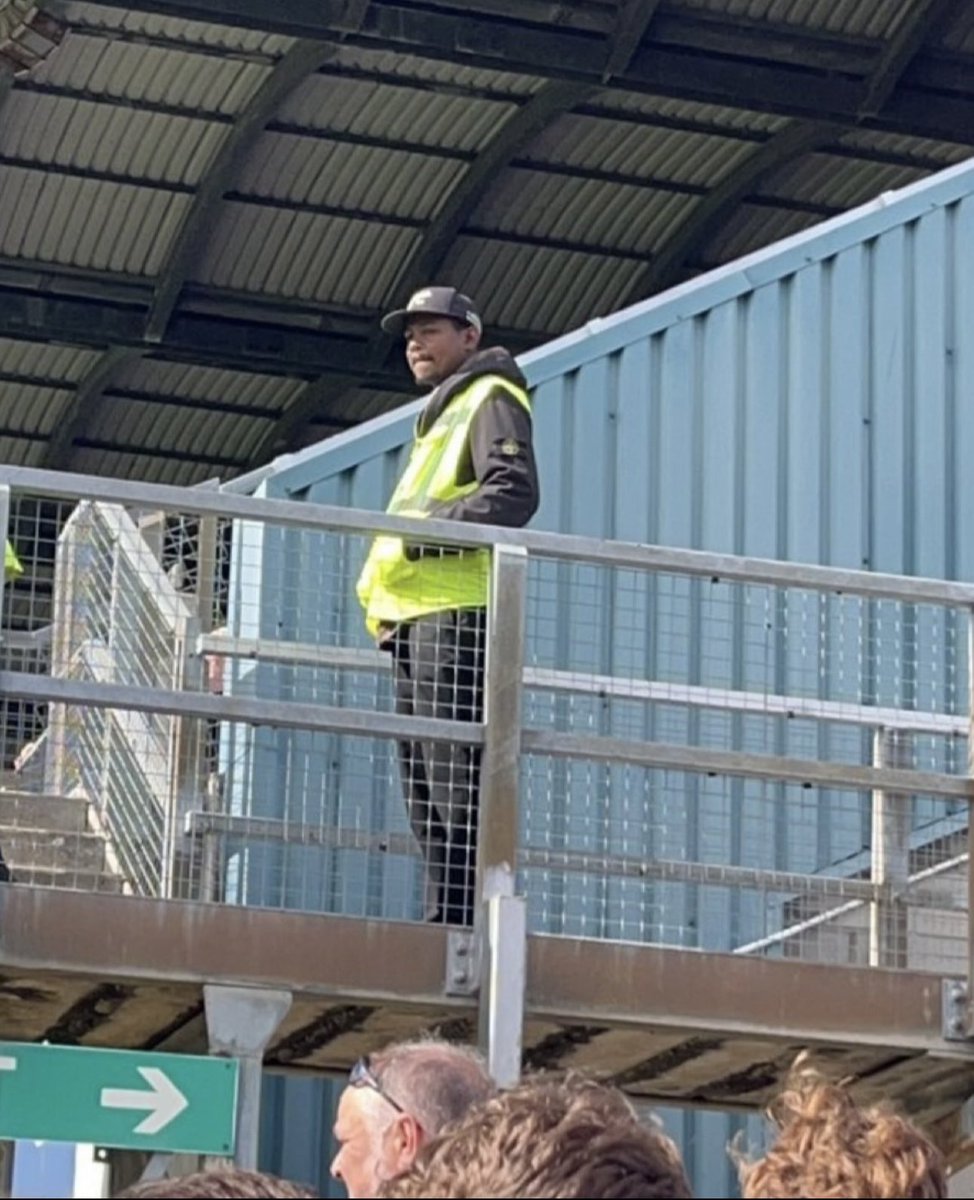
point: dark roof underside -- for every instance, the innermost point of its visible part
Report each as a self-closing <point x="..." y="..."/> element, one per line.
<point x="201" y="220"/>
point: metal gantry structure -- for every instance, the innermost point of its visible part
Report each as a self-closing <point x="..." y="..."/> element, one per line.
<point x="253" y="857"/>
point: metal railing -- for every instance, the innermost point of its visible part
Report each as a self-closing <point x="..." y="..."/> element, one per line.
<point x="679" y="747"/>
<point x="118" y="620"/>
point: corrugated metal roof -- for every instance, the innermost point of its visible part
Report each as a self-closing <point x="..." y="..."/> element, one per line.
<point x="925" y="150"/>
<point x="748" y="229"/>
<point x="959" y="33"/>
<point x="840" y="182"/>
<point x="559" y="288"/>
<point x="639" y="150"/>
<point x="217" y="416"/>
<point x="866" y="18"/>
<point x="32" y="408"/>
<point x="360" y="179"/>
<point x="321" y="210"/>
<point x="438" y="72"/>
<point x="191" y="433"/>
<point x="83" y="223"/>
<point x="551" y="207"/>
<point x="715" y="116"/>
<point x="196" y="83"/>
<point x="191" y="382"/>
<point x="379" y="110"/>
<point x="305" y="256"/>
<point x="123" y="142"/>
<point x="216" y="36"/>
<point x="178" y="472"/>
<point x="45" y="360"/>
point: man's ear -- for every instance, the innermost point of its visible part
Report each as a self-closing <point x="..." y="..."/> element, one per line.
<point x="471" y="337"/>
<point x="408" y="1138"/>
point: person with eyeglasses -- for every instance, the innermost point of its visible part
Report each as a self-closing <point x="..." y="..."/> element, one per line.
<point x="395" y="1102"/>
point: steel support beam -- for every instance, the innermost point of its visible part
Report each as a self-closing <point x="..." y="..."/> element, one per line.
<point x="917" y="21"/>
<point x="245" y="342"/>
<point x="86" y="406"/>
<point x="177" y="943"/>
<point x="301" y="61"/>
<point x="320" y="401"/>
<point x="709" y="214"/>
<point x="632" y="23"/>
<point x="545" y="107"/>
<point x="764" y="84"/>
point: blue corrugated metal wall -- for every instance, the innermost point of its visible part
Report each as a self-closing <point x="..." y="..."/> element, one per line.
<point x="811" y="403"/>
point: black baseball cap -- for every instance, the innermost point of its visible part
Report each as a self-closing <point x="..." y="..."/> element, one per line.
<point x="434" y="302"/>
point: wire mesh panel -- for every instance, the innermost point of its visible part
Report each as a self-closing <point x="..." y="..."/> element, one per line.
<point x="717" y="754"/>
<point x="25" y="631"/>
<point x="726" y="840"/>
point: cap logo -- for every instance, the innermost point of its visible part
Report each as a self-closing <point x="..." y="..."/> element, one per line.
<point x="420" y="298"/>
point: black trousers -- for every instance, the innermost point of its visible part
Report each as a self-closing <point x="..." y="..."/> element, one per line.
<point x="439" y="670"/>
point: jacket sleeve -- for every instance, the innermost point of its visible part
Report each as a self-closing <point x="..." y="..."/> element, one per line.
<point x="502" y="463"/>
<point x="501" y="460"/>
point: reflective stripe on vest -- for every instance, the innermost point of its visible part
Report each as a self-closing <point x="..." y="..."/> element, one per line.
<point x="392" y="589"/>
<point x="11" y="563"/>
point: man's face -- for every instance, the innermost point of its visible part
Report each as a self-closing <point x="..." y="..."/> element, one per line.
<point x="374" y="1142"/>
<point x="437" y="346"/>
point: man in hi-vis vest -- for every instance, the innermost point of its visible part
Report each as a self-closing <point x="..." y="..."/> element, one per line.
<point x="472" y="460"/>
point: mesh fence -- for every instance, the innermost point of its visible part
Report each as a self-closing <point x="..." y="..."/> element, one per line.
<point x="700" y="752"/>
<point x="736" y="841"/>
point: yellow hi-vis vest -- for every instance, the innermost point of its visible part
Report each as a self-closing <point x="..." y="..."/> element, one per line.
<point x="392" y="589"/>
<point x="11" y="563"/>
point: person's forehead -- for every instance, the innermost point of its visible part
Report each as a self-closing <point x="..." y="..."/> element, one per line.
<point x="354" y="1107"/>
<point x="425" y="320"/>
<point x="349" y="1109"/>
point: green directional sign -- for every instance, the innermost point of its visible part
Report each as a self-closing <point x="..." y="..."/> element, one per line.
<point x="171" y="1102"/>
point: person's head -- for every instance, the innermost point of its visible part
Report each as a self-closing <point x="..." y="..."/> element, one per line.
<point x="826" y="1145"/>
<point x="549" y="1137"/>
<point x="395" y="1102"/>
<point x="219" y="1184"/>
<point x="442" y="329"/>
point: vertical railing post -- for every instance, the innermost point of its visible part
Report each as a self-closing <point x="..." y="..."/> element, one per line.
<point x="4" y="533"/>
<point x="502" y="919"/>
<point x="969" y="1023"/>
<point x="891" y="820"/>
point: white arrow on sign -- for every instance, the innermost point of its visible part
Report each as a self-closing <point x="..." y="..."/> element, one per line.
<point x="164" y="1103"/>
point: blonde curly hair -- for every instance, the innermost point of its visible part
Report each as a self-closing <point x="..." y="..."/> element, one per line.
<point x="828" y="1146"/>
<point x="550" y="1136"/>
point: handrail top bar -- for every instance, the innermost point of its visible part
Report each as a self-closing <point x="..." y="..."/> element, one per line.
<point x="592" y="551"/>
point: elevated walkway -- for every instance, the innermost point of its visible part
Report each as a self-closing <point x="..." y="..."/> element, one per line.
<point x="724" y="808"/>
<point x="670" y="1026"/>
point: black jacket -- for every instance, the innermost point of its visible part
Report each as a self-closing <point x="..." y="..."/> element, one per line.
<point x="499" y="453"/>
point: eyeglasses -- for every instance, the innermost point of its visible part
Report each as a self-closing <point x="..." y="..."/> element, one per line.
<point x="362" y="1075"/>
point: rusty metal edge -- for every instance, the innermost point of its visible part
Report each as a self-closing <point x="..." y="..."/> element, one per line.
<point x="569" y="979"/>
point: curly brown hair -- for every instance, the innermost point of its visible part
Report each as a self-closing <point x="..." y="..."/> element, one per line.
<point x="221" y="1183"/>
<point x="549" y="1136"/>
<point x="828" y="1146"/>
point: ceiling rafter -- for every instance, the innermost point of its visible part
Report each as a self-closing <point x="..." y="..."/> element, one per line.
<point x="87" y="405"/>
<point x="712" y="211"/>
<point x="633" y="20"/>
<point x="917" y="22"/>
<point x="755" y="82"/>
<point x="324" y="397"/>
<point x="550" y="103"/>
<point x="300" y="62"/>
